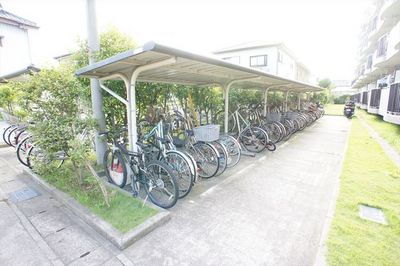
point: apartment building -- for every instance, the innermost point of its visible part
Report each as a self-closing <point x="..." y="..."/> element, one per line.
<point x="377" y="77"/>
<point x="273" y="58"/>
<point x="15" y="50"/>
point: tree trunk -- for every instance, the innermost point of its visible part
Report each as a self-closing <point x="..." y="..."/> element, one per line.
<point x="78" y="172"/>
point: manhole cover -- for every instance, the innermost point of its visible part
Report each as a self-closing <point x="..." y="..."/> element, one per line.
<point x="372" y="214"/>
<point x="23" y="194"/>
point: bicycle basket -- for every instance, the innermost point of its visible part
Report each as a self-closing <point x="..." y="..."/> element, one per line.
<point x="206" y="133"/>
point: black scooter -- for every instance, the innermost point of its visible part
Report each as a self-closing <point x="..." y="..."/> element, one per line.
<point x="348" y="110"/>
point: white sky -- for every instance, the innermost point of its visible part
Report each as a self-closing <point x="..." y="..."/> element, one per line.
<point x="322" y="33"/>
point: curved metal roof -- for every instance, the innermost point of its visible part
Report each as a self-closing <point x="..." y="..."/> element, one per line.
<point x="188" y="69"/>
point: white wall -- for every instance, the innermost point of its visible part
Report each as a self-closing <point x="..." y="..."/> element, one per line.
<point x="15" y="52"/>
<point x="287" y="68"/>
<point x="383" y="105"/>
<point x="271" y="52"/>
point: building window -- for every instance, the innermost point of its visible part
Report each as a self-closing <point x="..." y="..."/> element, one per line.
<point x="232" y="59"/>
<point x="1" y="41"/>
<point x="258" y="60"/>
<point x="280" y="57"/>
<point x="382" y="46"/>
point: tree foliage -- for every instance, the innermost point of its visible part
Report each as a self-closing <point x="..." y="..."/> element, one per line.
<point x="325" y="83"/>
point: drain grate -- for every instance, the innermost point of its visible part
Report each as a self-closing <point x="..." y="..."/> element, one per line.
<point x="372" y="214"/>
<point x="23" y="194"/>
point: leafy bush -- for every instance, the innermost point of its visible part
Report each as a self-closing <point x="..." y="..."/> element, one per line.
<point x="341" y="99"/>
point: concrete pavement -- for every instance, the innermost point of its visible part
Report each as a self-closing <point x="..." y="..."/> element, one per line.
<point x="270" y="210"/>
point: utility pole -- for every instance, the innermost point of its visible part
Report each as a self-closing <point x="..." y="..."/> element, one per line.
<point x="97" y="98"/>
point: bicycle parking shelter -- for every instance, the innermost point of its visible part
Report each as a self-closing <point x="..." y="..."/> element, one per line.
<point x="162" y="64"/>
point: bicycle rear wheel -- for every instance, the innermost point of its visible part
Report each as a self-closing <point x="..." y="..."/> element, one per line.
<point x="160" y="184"/>
<point x="115" y="168"/>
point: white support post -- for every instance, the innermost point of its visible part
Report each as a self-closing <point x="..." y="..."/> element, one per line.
<point x="265" y="101"/>
<point x="266" y="95"/>
<point x="132" y="127"/>
<point x="286" y="101"/>
<point x="226" y="106"/>
<point x="299" y="102"/>
<point x="226" y="88"/>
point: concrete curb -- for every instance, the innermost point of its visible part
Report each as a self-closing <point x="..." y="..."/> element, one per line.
<point x="120" y="240"/>
<point x="3" y="145"/>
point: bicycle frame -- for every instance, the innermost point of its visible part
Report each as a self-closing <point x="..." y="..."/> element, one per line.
<point x="163" y="148"/>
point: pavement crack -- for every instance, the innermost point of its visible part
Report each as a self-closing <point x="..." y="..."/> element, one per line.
<point x="84" y="254"/>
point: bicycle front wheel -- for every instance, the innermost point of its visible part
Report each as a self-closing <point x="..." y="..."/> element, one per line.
<point x="6" y="132"/>
<point x="22" y="150"/>
<point x="233" y="149"/>
<point x="160" y="184"/>
<point x="223" y="157"/>
<point x="207" y="159"/>
<point x="182" y="165"/>
<point x="254" y="139"/>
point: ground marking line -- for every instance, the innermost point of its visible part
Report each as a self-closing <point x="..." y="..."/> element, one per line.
<point x="226" y="181"/>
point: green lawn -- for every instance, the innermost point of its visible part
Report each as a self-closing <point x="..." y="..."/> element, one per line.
<point x="124" y="213"/>
<point x="368" y="177"/>
<point x="333" y="109"/>
<point x="390" y="132"/>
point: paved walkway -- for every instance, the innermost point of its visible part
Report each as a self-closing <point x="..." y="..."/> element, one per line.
<point x="269" y="210"/>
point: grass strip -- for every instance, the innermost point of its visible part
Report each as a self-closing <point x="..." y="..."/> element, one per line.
<point x="124" y="213"/>
<point x="368" y="177"/>
<point x="388" y="131"/>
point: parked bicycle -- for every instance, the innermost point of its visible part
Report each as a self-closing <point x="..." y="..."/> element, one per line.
<point x="157" y="177"/>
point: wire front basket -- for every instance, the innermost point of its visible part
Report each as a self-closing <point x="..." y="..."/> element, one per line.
<point x="206" y="133"/>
